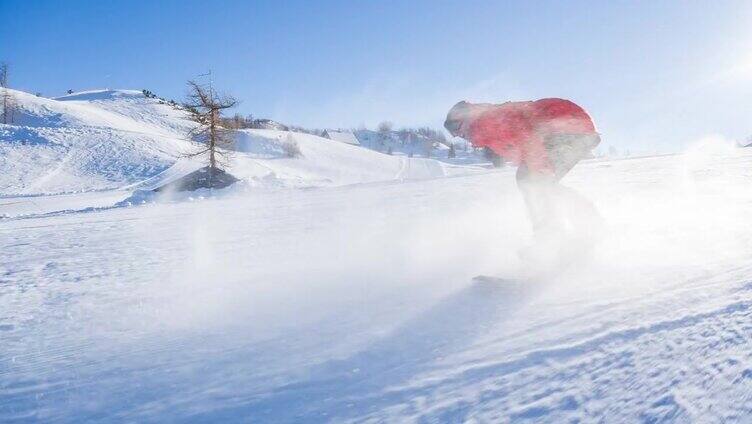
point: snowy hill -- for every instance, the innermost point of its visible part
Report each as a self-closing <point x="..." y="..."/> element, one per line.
<point x="123" y="110"/>
<point x="356" y="304"/>
<point x="95" y="140"/>
<point x="109" y="139"/>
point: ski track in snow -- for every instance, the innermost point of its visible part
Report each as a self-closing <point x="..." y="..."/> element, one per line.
<point x="355" y="304"/>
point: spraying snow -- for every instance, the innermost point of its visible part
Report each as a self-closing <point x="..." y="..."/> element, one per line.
<point x="355" y="303"/>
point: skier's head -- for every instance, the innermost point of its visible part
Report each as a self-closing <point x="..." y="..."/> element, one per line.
<point x="459" y="117"/>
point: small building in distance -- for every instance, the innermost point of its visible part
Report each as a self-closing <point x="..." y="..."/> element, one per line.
<point x="342" y="136"/>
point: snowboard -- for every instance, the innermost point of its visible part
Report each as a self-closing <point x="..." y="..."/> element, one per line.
<point x="514" y="285"/>
<point x="491" y="279"/>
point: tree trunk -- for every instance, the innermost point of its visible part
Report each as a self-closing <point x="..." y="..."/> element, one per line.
<point x="212" y="139"/>
<point x="5" y="106"/>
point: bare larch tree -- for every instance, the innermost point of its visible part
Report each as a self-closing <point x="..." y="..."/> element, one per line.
<point x="7" y="99"/>
<point x="205" y="108"/>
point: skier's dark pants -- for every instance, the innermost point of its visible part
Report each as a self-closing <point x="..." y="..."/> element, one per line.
<point x="543" y="194"/>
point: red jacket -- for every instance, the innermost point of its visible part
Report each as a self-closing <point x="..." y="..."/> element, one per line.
<point x="517" y="130"/>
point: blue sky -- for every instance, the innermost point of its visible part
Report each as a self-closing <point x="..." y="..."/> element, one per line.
<point x="654" y="75"/>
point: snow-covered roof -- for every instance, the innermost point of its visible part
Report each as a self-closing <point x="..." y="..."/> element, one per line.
<point x="342" y="136"/>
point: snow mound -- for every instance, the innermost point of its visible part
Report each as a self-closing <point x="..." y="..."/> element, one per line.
<point x="205" y="177"/>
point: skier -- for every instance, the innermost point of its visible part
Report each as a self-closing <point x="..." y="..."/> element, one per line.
<point x="545" y="139"/>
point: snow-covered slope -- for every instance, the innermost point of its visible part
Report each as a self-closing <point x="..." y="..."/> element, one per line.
<point x="119" y="138"/>
<point x="125" y="110"/>
<point x="355" y="304"/>
<point x="97" y="140"/>
<point x="325" y="162"/>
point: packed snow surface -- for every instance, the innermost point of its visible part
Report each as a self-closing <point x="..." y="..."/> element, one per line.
<point x="355" y="303"/>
